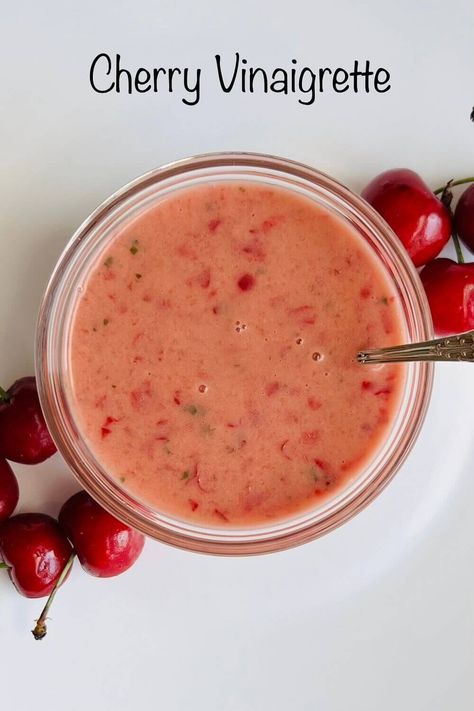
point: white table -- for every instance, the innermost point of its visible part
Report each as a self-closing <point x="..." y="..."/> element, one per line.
<point x="379" y="614"/>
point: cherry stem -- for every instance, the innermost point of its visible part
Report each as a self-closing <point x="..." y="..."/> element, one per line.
<point x="3" y="565"/>
<point x="453" y="183"/>
<point x="457" y="247"/>
<point x="40" y="629"/>
<point x="446" y="199"/>
<point x="4" y="395"/>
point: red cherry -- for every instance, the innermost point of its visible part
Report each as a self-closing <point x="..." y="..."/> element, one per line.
<point x="36" y="550"/>
<point x="450" y="290"/>
<point x="9" y="492"/>
<point x="104" y="545"/>
<point x="24" y="436"/>
<point x="464" y="217"/>
<point x="414" y="213"/>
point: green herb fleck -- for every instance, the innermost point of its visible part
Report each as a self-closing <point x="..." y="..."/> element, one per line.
<point x="167" y="449"/>
<point x="138" y="276"/>
<point x="108" y="262"/>
<point x="207" y="429"/>
<point x="106" y="321"/>
<point x="185" y="475"/>
<point x="122" y="479"/>
<point x="192" y="409"/>
<point x="134" y="247"/>
<point x="315" y="473"/>
<point x="384" y="300"/>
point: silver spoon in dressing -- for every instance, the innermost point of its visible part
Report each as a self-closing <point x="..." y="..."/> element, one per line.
<point x="459" y="347"/>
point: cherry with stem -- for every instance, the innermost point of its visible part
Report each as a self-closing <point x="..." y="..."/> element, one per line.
<point x="446" y="199"/>
<point x="419" y="219"/>
<point x="453" y="184"/>
<point x="40" y="630"/>
<point x="449" y="286"/>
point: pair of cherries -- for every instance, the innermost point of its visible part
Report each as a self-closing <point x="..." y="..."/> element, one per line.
<point x="38" y="550"/>
<point x="424" y="224"/>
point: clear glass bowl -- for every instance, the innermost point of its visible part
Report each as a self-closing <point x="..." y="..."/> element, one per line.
<point x="53" y="334"/>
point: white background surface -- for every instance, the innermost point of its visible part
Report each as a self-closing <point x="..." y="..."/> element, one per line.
<point x="379" y="614"/>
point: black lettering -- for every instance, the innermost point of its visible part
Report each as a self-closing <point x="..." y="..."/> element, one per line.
<point x="107" y="72"/>
<point x="378" y="83"/>
<point x="119" y="73"/>
<point x="338" y="84"/>
<point x="367" y="74"/>
<point x="224" y="87"/>
<point x="156" y="74"/>
<point x="276" y="82"/>
<point x="243" y="76"/>
<point x="364" y="73"/>
<point x="321" y="74"/>
<point x="171" y="72"/>
<point x="142" y="82"/>
<point x="310" y="89"/>
<point x="293" y="77"/>
<point x="195" y="89"/>
<point x="354" y="74"/>
<point x="253" y="72"/>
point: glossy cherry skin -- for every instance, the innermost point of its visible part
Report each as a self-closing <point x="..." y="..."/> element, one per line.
<point x="449" y="287"/>
<point x="464" y="217"/>
<point x="24" y="436"/>
<point x="104" y="545"/>
<point x="9" y="492"/>
<point x="414" y="213"/>
<point x="36" y="549"/>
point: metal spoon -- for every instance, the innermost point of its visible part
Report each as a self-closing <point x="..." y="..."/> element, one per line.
<point x="459" y="347"/>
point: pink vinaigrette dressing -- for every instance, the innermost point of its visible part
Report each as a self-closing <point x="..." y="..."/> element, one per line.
<point x="213" y="355"/>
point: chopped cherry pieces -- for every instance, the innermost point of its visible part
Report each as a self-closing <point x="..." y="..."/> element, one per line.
<point x="246" y="282"/>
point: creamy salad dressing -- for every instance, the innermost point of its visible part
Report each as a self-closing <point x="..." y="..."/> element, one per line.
<point x="213" y="355"/>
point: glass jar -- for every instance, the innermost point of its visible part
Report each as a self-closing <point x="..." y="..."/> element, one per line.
<point x="54" y="331"/>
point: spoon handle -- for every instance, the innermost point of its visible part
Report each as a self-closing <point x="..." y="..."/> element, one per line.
<point x="459" y="347"/>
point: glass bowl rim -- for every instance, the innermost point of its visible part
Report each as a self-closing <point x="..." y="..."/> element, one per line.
<point x="245" y="541"/>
